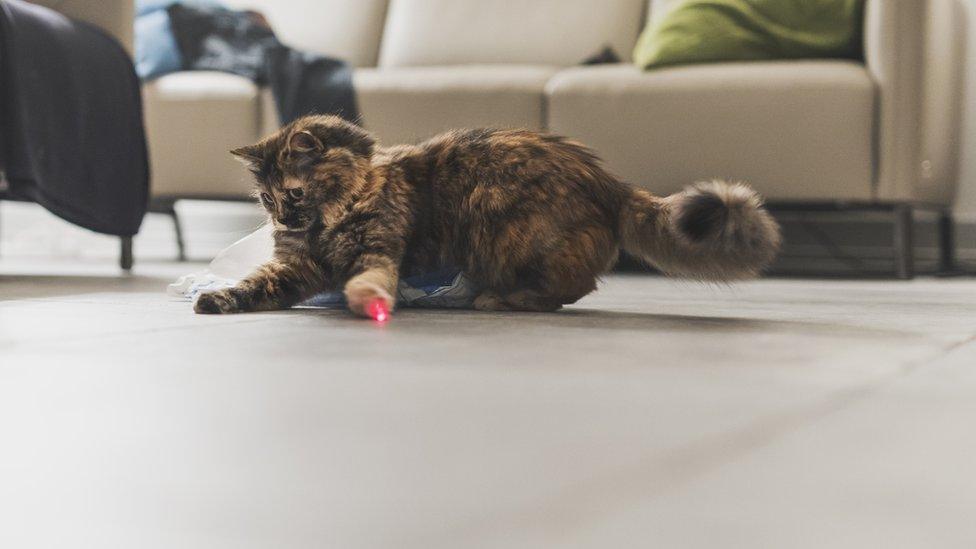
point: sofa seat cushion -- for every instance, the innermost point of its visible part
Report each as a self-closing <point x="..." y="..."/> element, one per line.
<point x="409" y="104"/>
<point x="192" y="120"/>
<point x="794" y="130"/>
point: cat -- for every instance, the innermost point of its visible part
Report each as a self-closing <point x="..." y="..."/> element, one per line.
<point x="533" y="219"/>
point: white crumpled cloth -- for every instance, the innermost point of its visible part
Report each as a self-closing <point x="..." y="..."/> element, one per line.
<point x="448" y="288"/>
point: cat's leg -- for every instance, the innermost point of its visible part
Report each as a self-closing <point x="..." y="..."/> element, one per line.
<point x="273" y="286"/>
<point x="560" y="276"/>
<point x="490" y="300"/>
<point x="533" y="301"/>
<point x="519" y="300"/>
<point x="375" y="281"/>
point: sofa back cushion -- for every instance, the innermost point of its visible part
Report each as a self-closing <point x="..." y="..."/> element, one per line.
<point x="113" y="16"/>
<point x="657" y="8"/>
<point x="552" y="32"/>
<point x="347" y="29"/>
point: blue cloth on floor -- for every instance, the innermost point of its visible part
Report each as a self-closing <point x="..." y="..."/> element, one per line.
<point x="445" y="289"/>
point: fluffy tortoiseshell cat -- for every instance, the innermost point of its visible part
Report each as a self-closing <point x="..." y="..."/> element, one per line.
<point x="532" y="218"/>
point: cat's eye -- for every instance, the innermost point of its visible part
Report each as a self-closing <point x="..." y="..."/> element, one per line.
<point x="296" y="193"/>
<point x="266" y="199"/>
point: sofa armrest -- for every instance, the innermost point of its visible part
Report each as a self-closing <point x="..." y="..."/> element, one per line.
<point x="117" y="17"/>
<point x="894" y="42"/>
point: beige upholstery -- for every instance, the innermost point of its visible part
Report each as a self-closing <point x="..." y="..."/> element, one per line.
<point x="114" y="16"/>
<point x="408" y="104"/>
<point x="942" y="101"/>
<point x="552" y="32"/>
<point x="894" y="54"/>
<point x="657" y="8"/>
<point x="915" y="51"/>
<point x="348" y="29"/>
<point x="794" y="130"/>
<point x="268" y="118"/>
<point x="192" y="120"/>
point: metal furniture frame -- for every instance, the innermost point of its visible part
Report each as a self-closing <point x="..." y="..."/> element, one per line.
<point x="903" y="223"/>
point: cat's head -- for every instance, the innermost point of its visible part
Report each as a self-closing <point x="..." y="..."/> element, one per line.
<point x="307" y="165"/>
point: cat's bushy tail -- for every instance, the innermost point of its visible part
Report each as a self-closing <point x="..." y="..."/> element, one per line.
<point x="709" y="231"/>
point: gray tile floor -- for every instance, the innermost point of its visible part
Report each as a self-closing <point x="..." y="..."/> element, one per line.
<point x="655" y="413"/>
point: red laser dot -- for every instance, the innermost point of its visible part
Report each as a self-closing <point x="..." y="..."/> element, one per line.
<point x="377" y="309"/>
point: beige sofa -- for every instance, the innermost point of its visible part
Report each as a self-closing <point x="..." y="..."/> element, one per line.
<point x="826" y="133"/>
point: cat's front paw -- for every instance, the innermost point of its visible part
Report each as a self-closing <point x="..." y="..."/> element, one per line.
<point x="215" y="303"/>
<point x="368" y="299"/>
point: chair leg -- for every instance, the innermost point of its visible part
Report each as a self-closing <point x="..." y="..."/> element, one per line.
<point x="125" y="258"/>
<point x="180" y="243"/>
<point x="947" y="243"/>
<point x="903" y="242"/>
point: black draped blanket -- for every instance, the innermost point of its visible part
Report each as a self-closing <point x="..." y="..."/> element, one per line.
<point x="71" y="135"/>
<point x="242" y="42"/>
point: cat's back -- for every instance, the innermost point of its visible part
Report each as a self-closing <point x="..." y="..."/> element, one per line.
<point x="489" y="154"/>
<point x="481" y="147"/>
<point x="456" y="160"/>
<point x="520" y="163"/>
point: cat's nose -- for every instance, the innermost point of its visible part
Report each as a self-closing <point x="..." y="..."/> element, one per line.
<point x="291" y="221"/>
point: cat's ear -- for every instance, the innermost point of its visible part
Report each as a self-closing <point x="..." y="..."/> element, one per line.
<point x="303" y="141"/>
<point x="249" y="155"/>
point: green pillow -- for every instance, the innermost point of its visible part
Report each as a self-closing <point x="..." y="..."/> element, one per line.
<point x="701" y="31"/>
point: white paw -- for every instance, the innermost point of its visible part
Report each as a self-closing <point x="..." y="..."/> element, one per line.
<point x="368" y="299"/>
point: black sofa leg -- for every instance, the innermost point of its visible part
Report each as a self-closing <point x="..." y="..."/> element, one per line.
<point x="947" y="243"/>
<point x="180" y="243"/>
<point x="904" y="242"/>
<point x="125" y="258"/>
